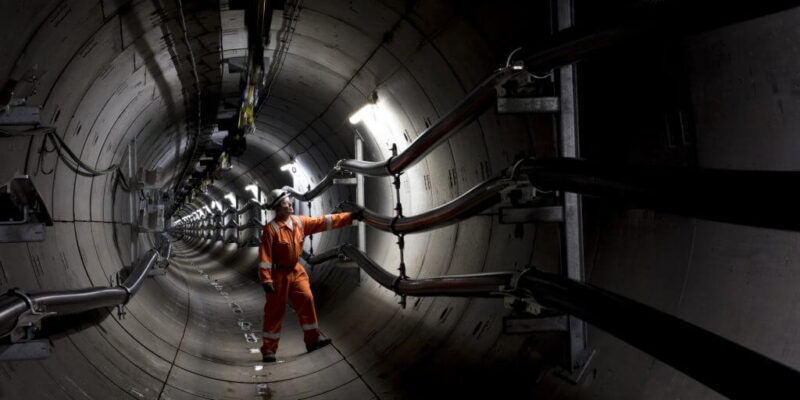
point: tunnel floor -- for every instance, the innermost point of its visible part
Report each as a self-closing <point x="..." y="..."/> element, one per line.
<point x="218" y="355"/>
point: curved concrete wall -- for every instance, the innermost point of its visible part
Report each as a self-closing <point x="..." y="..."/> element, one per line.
<point x="111" y="71"/>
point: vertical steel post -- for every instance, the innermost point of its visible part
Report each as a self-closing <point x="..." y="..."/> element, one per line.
<point x="133" y="203"/>
<point x="572" y="232"/>
<point x="362" y="228"/>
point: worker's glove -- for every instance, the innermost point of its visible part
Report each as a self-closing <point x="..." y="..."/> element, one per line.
<point x="355" y="210"/>
<point x="358" y="214"/>
<point x="268" y="288"/>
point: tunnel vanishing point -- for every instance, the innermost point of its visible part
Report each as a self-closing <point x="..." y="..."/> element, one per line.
<point x="563" y="199"/>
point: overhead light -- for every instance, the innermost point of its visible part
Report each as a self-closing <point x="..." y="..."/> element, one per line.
<point x="362" y="112"/>
<point x="231" y="198"/>
<point x="253" y="189"/>
<point x="381" y="123"/>
<point x="291" y="167"/>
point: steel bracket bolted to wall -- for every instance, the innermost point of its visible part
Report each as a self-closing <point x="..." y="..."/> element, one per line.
<point x="527" y="214"/>
<point x="520" y="105"/>
<point x="20" y="115"/>
<point x="345" y="178"/>
<point x="23" y="213"/>
<point x="31" y="350"/>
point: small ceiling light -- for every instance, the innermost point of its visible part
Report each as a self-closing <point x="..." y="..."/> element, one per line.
<point x="253" y="189"/>
<point x="362" y="112"/>
<point x="231" y="198"/>
<point x="291" y="167"/>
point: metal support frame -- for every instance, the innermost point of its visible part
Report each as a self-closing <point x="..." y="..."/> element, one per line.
<point x="526" y="324"/>
<point x="526" y="214"/>
<point x="134" y="201"/>
<point x="30" y="350"/>
<point x="401" y="242"/>
<point x="519" y="105"/>
<point x="24" y="212"/>
<point x="572" y="227"/>
<point x="21" y="115"/>
<point x="360" y="199"/>
<point x="362" y="227"/>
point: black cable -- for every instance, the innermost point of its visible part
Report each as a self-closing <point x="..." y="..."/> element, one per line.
<point x="61" y="147"/>
<point x="43" y="150"/>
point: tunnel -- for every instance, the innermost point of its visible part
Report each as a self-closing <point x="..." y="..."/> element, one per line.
<point x="144" y="141"/>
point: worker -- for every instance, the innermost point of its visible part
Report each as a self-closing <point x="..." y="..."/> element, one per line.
<point x="282" y="277"/>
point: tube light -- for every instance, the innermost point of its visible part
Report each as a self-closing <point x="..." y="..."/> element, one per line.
<point x="381" y="123"/>
<point x="362" y="112"/>
<point x="291" y="167"/>
<point x="231" y="198"/>
<point x="253" y="189"/>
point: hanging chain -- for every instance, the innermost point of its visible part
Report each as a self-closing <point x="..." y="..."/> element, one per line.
<point x="401" y="243"/>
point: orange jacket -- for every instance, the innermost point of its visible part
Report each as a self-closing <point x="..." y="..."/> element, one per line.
<point x="282" y="243"/>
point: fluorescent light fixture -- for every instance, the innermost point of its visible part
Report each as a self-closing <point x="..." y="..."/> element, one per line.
<point x="362" y="112"/>
<point x="231" y="198"/>
<point x="253" y="189"/>
<point x="291" y="167"/>
<point x="381" y="124"/>
<point x="207" y="209"/>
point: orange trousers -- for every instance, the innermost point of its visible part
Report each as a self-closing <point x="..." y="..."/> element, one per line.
<point x="289" y="285"/>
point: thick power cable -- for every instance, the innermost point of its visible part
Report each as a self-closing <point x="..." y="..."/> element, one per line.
<point x="722" y="365"/>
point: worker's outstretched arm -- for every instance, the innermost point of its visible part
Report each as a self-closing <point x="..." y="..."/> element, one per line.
<point x="325" y="222"/>
<point x="265" y="255"/>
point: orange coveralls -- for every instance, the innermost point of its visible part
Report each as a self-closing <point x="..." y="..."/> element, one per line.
<point x="281" y="246"/>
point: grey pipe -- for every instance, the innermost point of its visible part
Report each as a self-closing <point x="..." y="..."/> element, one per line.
<point x="695" y="351"/>
<point x="321" y="257"/>
<point x="250" y="204"/>
<point x="727" y="367"/>
<point x="473" y="285"/>
<point x="323" y="185"/>
<point x="477" y="199"/>
<point x="74" y="301"/>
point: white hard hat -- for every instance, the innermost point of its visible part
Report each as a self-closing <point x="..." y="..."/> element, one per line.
<point x="274" y="198"/>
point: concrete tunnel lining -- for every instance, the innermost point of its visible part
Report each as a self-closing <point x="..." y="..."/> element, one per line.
<point x="113" y="77"/>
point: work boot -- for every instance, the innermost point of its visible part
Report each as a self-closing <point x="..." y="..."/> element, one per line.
<point x="268" y="357"/>
<point x="320" y="343"/>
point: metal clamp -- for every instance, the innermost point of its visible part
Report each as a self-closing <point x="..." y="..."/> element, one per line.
<point x="394" y="288"/>
<point x="517" y="299"/>
<point x="30" y="321"/>
<point x="520" y="162"/>
<point x="116" y="281"/>
<point x="29" y="301"/>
